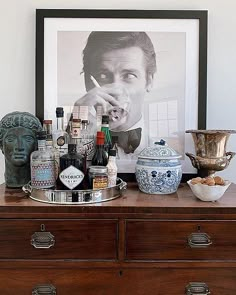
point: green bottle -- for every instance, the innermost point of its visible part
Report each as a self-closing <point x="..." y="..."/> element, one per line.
<point x="105" y="129"/>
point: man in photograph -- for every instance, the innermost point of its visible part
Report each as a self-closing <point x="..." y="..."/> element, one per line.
<point x="119" y="68"/>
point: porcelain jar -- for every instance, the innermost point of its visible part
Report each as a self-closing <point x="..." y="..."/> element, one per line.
<point x="158" y="169"/>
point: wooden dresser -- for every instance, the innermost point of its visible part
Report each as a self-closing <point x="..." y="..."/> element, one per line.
<point x="137" y="244"/>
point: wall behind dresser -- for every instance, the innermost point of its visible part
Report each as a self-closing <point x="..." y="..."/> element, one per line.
<point x="17" y="56"/>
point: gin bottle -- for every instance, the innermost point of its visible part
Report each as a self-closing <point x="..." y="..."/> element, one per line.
<point x="73" y="169"/>
<point x="60" y="136"/>
<point x="42" y="163"/>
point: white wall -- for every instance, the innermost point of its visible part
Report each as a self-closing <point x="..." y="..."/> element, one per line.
<point x="17" y="55"/>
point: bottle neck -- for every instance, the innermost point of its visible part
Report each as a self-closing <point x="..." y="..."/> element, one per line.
<point x="60" y="123"/>
<point x="41" y="144"/>
<point x="112" y="159"/>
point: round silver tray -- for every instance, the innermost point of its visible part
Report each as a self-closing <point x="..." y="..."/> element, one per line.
<point x="67" y="197"/>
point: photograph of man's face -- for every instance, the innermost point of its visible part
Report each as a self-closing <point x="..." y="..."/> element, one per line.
<point x="137" y="77"/>
<point x="124" y="69"/>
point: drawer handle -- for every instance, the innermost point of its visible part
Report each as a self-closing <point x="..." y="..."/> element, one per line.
<point x="42" y="240"/>
<point x="199" y="240"/>
<point x="44" y="290"/>
<point x="197" y="288"/>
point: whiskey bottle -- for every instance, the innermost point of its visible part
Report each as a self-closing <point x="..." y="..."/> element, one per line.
<point x="60" y="136"/>
<point x="42" y="163"/>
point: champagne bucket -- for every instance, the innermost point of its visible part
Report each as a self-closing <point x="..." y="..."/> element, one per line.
<point x="210" y="148"/>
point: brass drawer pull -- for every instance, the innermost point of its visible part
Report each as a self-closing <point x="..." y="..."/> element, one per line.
<point x="44" y="290"/>
<point x="199" y="240"/>
<point x="42" y="240"/>
<point x="197" y="288"/>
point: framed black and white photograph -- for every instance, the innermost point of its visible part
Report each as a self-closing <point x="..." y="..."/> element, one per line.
<point x="146" y="69"/>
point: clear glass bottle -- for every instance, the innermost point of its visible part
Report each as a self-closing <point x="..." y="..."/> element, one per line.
<point x="42" y="164"/>
<point x="106" y="130"/>
<point x="88" y="140"/>
<point x="100" y="156"/>
<point x="49" y="146"/>
<point x="112" y="168"/>
<point x="75" y="136"/>
<point x="47" y="126"/>
<point x="115" y="146"/>
<point x="60" y="136"/>
<point x="73" y="169"/>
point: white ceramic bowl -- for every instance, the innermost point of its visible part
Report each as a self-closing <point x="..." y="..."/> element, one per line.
<point x="208" y="193"/>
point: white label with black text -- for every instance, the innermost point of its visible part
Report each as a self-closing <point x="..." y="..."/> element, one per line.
<point x="71" y="177"/>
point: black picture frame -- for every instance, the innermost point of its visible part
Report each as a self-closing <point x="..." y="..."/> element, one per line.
<point x="200" y="15"/>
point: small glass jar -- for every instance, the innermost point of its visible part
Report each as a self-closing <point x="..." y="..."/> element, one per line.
<point x="98" y="177"/>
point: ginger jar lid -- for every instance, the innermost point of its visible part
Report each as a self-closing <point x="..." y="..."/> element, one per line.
<point x="159" y="151"/>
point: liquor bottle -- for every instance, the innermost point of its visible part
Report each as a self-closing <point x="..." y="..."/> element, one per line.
<point x="75" y="136"/>
<point x="112" y="168"/>
<point x="115" y="146"/>
<point x="49" y="146"/>
<point x="42" y="163"/>
<point x="60" y="136"/>
<point x="106" y="130"/>
<point x="73" y="169"/>
<point x="88" y="140"/>
<point x="47" y="126"/>
<point x="100" y="156"/>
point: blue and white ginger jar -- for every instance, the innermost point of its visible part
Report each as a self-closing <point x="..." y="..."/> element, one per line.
<point x="158" y="169"/>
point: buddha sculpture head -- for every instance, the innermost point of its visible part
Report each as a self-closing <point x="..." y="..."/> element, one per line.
<point x="17" y="142"/>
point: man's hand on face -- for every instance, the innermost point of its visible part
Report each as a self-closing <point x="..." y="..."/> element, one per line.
<point x="107" y="96"/>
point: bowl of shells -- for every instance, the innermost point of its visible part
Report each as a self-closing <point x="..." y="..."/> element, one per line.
<point x="208" y="189"/>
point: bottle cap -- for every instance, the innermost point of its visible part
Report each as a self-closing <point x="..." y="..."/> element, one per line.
<point x="105" y="119"/>
<point x="47" y="121"/>
<point x="59" y="112"/>
<point x="100" y="138"/>
<point x="114" y="139"/>
<point x="41" y="135"/>
<point x="98" y="169"/>
<point x="71" y="148"/>
<point x="112" y="153"/>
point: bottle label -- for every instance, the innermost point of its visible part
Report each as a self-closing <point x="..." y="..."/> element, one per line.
<point x="71" y="177"/>
<point x="75" y="132"/>
<point x="89" y="148"/>
<point x="42" y="174"/>
<point x="61" y="140"/>
<point x="100" y="182"/>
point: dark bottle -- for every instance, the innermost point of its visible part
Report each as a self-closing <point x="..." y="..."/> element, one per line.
<point x="73" y="170"/>
<point x="105" y="128"/>
<point x="100" y="157"/>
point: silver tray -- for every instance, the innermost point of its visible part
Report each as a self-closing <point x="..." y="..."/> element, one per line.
<point x="67" y="197"/>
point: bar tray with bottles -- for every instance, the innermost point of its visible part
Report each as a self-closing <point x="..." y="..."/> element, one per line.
<point x="76" y="197"/>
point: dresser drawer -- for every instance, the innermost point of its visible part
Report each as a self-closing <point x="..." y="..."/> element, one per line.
<point x="118" y="282"/>
<point x="59" y="282"/>
<point x="177" y="240"/>
<point x="189" y="281"/>
<point x="59" y="239"/>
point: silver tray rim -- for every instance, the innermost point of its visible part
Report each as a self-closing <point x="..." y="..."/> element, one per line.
<point x="92" y="196"/>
